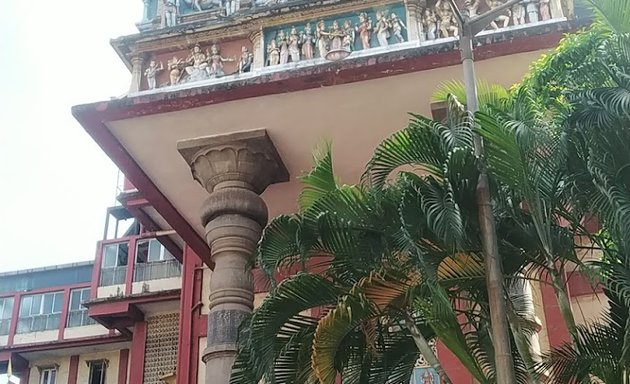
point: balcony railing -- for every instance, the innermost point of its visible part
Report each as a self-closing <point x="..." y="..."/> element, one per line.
<point x="157" y="270"/>
<point x="113" y="276"/>
<point x="79" y="318"/>
<point x="38" y="323"/>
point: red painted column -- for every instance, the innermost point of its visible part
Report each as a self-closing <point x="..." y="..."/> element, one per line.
<point x="188" y="354"/>
<point x="453" y="367"/>
<point x="73" y="372"/>
<point x="557" y="331"/>
<point x="131" y="263"/>
<point x="123" y="362"/>
<point x="14" y="318"/>
<point x="138" y="342"/>
<point x="64" y="313"/>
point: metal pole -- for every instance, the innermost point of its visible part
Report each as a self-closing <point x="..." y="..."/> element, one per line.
<point x="504" y="362"/>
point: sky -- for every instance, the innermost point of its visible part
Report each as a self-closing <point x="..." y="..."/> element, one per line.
<point x="55" y="182"/>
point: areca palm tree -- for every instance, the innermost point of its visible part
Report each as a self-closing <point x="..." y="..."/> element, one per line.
<point x="401" y="262"/>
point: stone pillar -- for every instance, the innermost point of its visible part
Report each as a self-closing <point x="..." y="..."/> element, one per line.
<point x="137" y="62"/>
<point x="258" y="49"/>
<point x="235" y="169"/>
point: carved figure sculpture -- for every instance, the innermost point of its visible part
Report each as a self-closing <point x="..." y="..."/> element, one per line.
<point x="169" y="13"/>
<point x="151" y="72"/>
<point x="545" y="12"/>
<point x="427" y="378"/>
<point x="231" y="7"/>
<point x="174" y="68"/>
<point x="532" y="10"/>
<point x="472" y="6"/>
<point x="195" y="4"/>
<point x="382" y="29"/>
<point x="429" y="24"/>
<point x="197" y="64"/>
<point x="397" y="27"/>
<point x="273" y="53"/>
<point x="447" y="22"/>
<point x="215" y="61"/>
<point x="283" y="45"/>
<point x="503" y="18"/>
<point x="307" y="41"/>
<point x="348" y="36"/>
<point x="365" y="30"/>
<point x="518" y="14"/>
<point x="247" y="58"/>
<point x="322" y="39"/>
<point x="335" y="36"/>
<point x="294" y="45"/>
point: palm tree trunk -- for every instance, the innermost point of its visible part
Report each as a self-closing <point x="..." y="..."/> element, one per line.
<point x="426" y="351"/>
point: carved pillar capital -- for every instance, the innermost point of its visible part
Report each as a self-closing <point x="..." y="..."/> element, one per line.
<point x="235" y="169"/>
<point x="244" y="159"/>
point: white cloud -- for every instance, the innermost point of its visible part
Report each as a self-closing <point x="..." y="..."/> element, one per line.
<point x="55" y="182"/>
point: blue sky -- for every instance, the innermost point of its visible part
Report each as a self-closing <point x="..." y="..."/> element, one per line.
<point x="55" y="182"/>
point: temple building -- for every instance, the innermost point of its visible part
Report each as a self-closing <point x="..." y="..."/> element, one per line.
<point x="227" y="100"/>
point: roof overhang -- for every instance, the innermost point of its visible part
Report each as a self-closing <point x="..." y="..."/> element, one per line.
<point x="356" y="103"/>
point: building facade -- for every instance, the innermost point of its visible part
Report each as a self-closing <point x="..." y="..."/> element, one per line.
<point x="226" y="101"/>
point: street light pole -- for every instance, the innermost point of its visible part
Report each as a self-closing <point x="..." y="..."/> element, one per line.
<point x="504" y="363"/>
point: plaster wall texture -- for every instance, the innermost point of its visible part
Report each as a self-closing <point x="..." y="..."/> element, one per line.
<point x="589" y="308"/>
<point x="91" y="330"/>
<point x="4" y="340"/>
<point x="110" y="290"/>
<point x="111" y="373"/>
<point x="36" y="337"/>
<point x="157" y="285"/>
<point x="63" y="369"/>
<point x="539" y="306"/>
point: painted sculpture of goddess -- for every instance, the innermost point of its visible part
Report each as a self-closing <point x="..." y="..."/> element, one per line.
<point x="307" y="42"/>
<point x="532" y="10"/>
<point x="397" y="27"/>
<point x="169" y="13"/>
<point x="447" y="22"/>
<point x="294" y="45"/>
<point x="174" y="67"/>
<point x="348" y="36"/>
<point x="322" y="39"/>
<point x="429" y="23"/>
<point x="335" y="35"/>
<point x="151" y="72"/>
<point x="503" y="18"/>
<point x="273" y="53"/>
<point x="247" y="58"/>
<point x="472" y="7"/>
<point x="518" y="14"/>
<point x="365" y="30"/>
<point x="283" y="44"/>
<point x="215" y="61"/>
<point x="382" y="29"/>
<point x="197" y="64"/>
<point x="545" y="12"/>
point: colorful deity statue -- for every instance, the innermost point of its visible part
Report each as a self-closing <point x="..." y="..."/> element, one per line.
<point x="307" y="40"/>
<point x="381" y="29"/>
<point x="397" y="26"/>
<point x="365" y="30"/>
<point x="151" y="73"/>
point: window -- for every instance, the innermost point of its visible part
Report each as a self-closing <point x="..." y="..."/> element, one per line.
<point x="40" y="312"/>
<point x="149" y="251"/>
<point x="114" y="264"/>
<point x="77" y="313"/>
<point x="97" y="371"/>
<point x="6" y="311"/>
<point x="48" y="376"/>
<point x="154" y="261"/>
